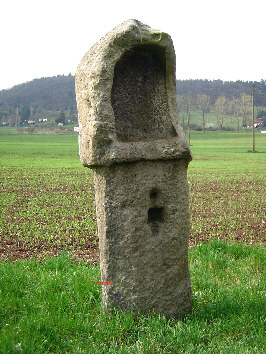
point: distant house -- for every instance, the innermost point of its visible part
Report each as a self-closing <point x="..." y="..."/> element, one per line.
<point x="257" y="123"/>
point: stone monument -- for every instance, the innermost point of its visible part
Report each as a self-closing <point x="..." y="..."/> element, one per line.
<point x="129" y="135"/>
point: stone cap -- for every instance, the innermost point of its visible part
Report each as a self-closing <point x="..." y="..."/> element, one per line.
<point x="126" y="98"/>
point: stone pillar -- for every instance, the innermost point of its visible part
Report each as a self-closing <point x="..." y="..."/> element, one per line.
<point x="130" y="137"/>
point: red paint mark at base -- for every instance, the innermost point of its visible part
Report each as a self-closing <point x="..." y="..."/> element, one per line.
<point x="104" y="283"/>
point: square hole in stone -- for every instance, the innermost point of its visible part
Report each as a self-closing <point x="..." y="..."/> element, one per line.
<point x="155" y="214"/>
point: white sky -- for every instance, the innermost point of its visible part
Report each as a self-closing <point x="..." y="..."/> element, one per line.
<point x="213" y="39"/>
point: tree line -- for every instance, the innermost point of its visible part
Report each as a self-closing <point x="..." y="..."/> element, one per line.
<point x="228" y="89"/>
<point x="52" y="101"/>
<point x="237" y="109"/>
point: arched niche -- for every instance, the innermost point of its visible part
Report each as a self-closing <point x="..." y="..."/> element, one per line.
<point x="139" y="95"/>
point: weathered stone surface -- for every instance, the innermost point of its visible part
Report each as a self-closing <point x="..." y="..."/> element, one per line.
<point x="130" y="137"/>
<point x="139" y="97"/>
<point x="143" y="223"/>
<point x="126" y="97"/>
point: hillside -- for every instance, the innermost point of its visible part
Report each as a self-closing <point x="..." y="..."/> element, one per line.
<point x="39" y="99"/>
<point x="47" y="98"/>
<point x="50" y="93"/>
<point x="228" y="89"/>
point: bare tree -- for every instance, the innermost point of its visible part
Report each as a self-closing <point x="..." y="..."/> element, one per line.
<point x="203" y="102"/>
<point x="181" y="108"/>
<point x="245" y="108"/>
<point x="220" y="109"/>
<point x="184" y="104"/>
<point x="235" y="109"/>
<point x="253" y="117"/>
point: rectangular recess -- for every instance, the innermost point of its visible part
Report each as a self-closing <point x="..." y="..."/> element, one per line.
<point x="155" y="214"/>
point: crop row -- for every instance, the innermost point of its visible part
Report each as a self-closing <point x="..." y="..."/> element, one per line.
<point x="49" y="210"/>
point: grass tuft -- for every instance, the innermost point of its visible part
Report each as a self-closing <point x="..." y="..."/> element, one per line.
<point x="53" y="305"/>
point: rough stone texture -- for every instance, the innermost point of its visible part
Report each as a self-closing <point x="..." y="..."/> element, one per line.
<point x="139" y="97"/>
<point x="130" y="137"/>
<point x="143" y="223"/>
<point x="126" y="97"/>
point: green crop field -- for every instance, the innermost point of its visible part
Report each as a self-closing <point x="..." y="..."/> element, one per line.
<point x="47" y="197"/>
<point x="52" y="305"/>
<point x="227" y="186"/>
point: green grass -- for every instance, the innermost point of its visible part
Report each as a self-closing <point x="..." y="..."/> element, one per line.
<point x="47" y="197"/>
<point x="226" y="187"/>
<point x="54" y="306"/>
<point x="39" y="151"/>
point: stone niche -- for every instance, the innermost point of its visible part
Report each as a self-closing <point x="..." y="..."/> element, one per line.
<point x="131" y="138"/>
<point x="139" y="95"/>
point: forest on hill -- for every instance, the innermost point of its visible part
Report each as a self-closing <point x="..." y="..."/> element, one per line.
<point x="51" y="100"/>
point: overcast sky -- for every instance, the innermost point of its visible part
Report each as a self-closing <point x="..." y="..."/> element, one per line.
<point x="213" y="39"/>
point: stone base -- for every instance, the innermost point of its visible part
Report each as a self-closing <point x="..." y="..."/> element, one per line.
<point x="143" y="226"/>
